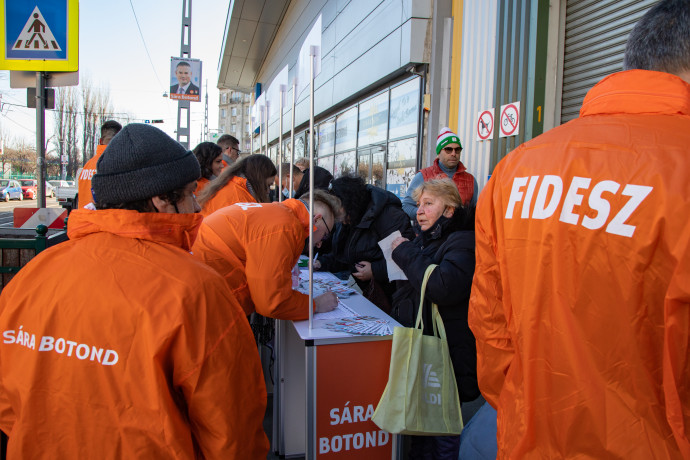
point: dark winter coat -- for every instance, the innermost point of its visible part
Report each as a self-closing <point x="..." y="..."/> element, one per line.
<point x="353" y="244"/>
<point x="449" y="243"/>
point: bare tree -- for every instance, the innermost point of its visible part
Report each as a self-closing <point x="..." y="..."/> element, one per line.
<point x="88" y="104"/>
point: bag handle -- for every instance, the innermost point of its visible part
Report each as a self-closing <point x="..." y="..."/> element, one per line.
<point x="419" y="321"/>
<point x="436" y="321"/>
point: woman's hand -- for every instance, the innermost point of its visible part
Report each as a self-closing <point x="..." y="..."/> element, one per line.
<point x="363" y="272"/>
<point x="398" y="241"/>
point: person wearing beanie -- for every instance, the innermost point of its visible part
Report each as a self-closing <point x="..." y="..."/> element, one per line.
<point x="448" y="164"/>
<point x="137" y="350"/>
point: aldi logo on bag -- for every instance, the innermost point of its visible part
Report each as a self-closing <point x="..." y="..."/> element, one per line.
<point x="431" y="381"/>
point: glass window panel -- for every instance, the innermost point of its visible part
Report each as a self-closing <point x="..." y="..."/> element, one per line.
<point x="346" y="130"/>
<point x="404" y="109"/>
<point x="299" y="146"/>
<point x="363" y="164"/>
<point x="344" y="164"/>
<point x="401" y="165"/>
<point x="326" y="163"/>
<point x="326" y="137"/>
<point x="378" y="157"/>
<point x="373" y="120"/>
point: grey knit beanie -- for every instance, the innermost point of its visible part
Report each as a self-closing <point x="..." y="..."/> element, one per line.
<point x="141" y="162"/>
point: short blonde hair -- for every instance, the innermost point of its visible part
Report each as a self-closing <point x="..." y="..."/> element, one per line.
<point x="441" y="188"/>
<point x="331" y="202"/>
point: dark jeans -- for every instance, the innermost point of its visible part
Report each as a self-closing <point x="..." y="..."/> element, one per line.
<point x="434" y="447"/>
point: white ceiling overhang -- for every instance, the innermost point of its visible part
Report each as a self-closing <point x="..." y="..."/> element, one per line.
<point x="250" y="29"/>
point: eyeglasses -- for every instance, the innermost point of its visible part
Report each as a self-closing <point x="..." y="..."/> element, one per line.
<point x="236" y="149"/>
<point x="453" y="149"/>
<point x="328" y="230"/>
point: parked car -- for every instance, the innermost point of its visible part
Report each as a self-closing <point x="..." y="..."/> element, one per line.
<point x="30" y="188"/>
<point x="61" y="183"/>
<point x="10" y="190"/>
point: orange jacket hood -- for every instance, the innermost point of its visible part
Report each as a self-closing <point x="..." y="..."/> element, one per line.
<point x="177" y="229"/>
<point x="235" y="191"/>
<point x="580" y="303"/>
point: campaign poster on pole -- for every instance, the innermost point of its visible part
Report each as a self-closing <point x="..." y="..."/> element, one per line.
<point x="39" y="35"/>
<point x="185" y="79"/>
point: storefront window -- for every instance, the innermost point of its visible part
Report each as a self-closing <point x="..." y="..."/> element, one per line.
<point x="326" y="163"/>
<point x="300" y="146"/>
<point x="373" y="120"/>
<point x="326" y="137"/>
<point x="401" y="165"/>
<point x="404" y="109"/>
<point x="346" y="130"/>
<point x="344" y="164"/>
<point x="364" y="164"/>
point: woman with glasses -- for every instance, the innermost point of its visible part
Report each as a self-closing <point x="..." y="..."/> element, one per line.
<point x="371" y="214"/>
<point x="245" y="181"/>
<point x="210" y="160"/>
<point x="447" y="165"/>
<point x="447" y="240"/>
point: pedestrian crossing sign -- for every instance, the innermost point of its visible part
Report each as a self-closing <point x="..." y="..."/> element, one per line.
<point x="39" y="35"/>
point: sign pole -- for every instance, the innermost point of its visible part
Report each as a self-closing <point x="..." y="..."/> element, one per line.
<point x="280" y="148"/>
<point x="292" y="131"/>
<point x="183" y="107"/>
<point x="40" y="137"/>
<point x="251" y="125"/>
<point x="312" y="53"/>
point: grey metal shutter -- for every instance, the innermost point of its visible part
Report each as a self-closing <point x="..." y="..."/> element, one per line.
<point x="595" y="36"/>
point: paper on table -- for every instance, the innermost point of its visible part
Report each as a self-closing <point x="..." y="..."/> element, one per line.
<point x="341" y="311"/>
<point x="394" y="271"/>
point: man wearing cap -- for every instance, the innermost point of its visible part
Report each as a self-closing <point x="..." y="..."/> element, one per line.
<point x="447" y="165"/>
<point x="130" y="347"/>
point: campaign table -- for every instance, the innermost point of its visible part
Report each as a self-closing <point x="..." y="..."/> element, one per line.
<point x="327" y="386"/>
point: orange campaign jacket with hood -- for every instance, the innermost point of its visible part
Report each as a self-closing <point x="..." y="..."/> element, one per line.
<point x="581" y="298"/>
<point x="119" y="344"/>
<point x="235" y="191"/>
<point x="85" y="175"/>
<point x="254" y="246"/>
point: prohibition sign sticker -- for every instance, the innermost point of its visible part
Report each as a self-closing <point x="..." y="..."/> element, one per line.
<point x="485" y="125"/>
<point x="510" y="120"/>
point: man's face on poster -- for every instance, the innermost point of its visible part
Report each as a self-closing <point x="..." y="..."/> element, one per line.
<point x="183" y="73"/>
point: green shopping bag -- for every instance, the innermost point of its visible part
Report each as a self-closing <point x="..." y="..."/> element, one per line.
<point x="421" y="396"/>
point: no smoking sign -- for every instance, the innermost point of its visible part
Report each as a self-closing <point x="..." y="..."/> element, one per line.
<point x="509" y="123"/>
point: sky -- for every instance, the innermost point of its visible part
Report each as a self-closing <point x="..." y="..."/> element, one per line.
<point x="112" y="56"/>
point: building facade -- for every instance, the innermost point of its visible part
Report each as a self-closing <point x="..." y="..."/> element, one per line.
<point x="393" y="72"/>
<point x="233" y="116"/>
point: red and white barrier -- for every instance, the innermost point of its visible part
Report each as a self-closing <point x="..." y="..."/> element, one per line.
<point x="31" y="217"/>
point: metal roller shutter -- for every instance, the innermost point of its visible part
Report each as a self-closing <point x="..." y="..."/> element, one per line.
<point x="595" y="36"/>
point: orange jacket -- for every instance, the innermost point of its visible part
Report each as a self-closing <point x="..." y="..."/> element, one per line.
<point x="201" y="183"/>
<point x="127" y="348"/>
<point x="85" y="176"/>
<point x="235" y="191"/>
<point x="581" y="296"/>
<point x="255" y="246"/>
